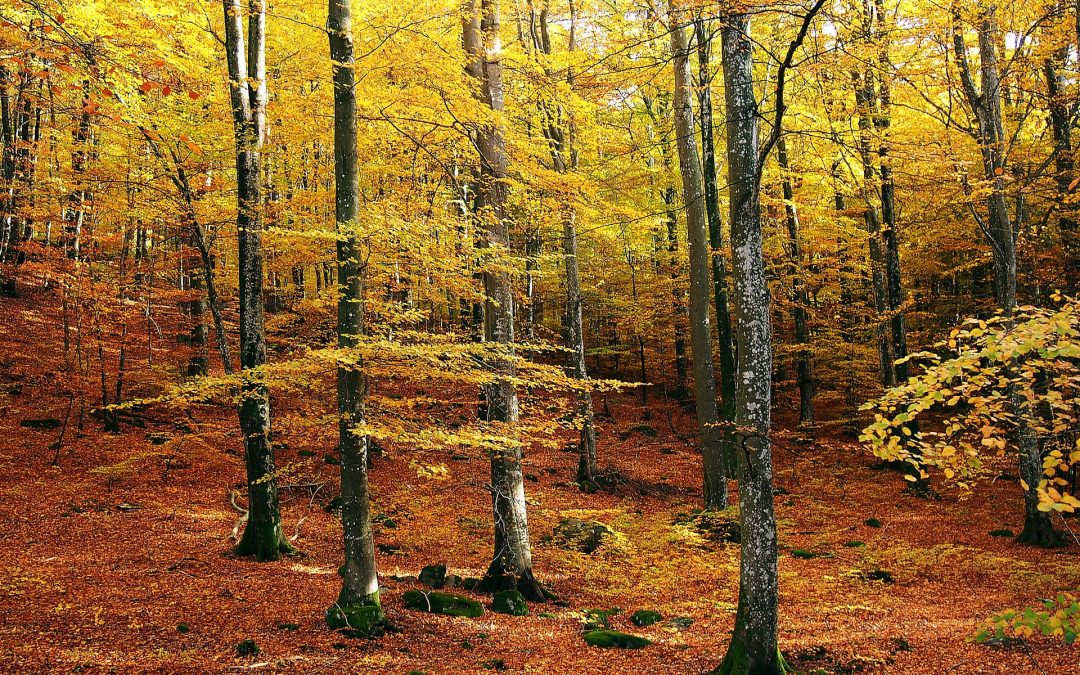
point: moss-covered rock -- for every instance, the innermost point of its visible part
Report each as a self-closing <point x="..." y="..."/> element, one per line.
<point x="809" y="555"/>
<point x="510" y="602"/>
<point x="645" y="617"/>
<point x="679" y="622"/>
<point x="247" y="648"/>
<point x="717" y="526"/>
<point x="442" y="603"/>
<point x="614" y="639"/>
<point x="583" y="536"/>
<point x="1002" y="533"/>
<point x="433" y="576"/>
<point x="357" y="620"/>
<point x="872" y="522"/>
<point x="855" y="544"/>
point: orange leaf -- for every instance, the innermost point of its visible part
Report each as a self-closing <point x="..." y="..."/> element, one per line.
<point x="166" y="90"/>
<point x="194" y="95"/>
<point x="147" y="87"/>
<point x="60" y="19"/>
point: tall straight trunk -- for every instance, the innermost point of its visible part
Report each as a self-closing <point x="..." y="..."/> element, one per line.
<point x="511" y="564"/>
<point x="678" y="299"/>
<point x="753" y="646"/>
<point x="712" y="448"/>
<point x="358" y="605"/>
<point x="1065" y="168"/>
<point x="564" y="159"/>
<point x="985" y="103"/>
<point x="262" y="537"/>
<point x="866" y="98"/>
<point x="716" y="241"/>
<point x="800" y="297"/>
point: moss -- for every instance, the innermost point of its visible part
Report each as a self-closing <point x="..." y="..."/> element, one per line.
<point x="510" y="602"/>
<point x="737" y="662"/>
<point x="442" y="603"/>
<point x="854" y="544"/>
<point x="183" y="628"/>
<point x="597" y="619"/>
<point x="1002" y="533"/>
<point x="433" y="576"/>
<point x="614" y="639"/>
<point x="872" y="522"/>
<point x="809" y="555"/>
<point x="645" y="617"/>
<point x="247" y="648"/>
<point x="289" y="626"/>
<point x="357" y="620"/>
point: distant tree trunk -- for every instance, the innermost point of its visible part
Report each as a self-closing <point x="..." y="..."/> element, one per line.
<point x="262" y="537"/>
<point x="799" y="295"/>
<point x="716" y="242"/>
<point x="1065" y="168"/>
<point x="998" y="230"/>
<point x="712" y="448"/>
<point x="753" y="646"/>
<point x="679" y="310"/>
<point x="564" y="157"/>
<point x="360" y="587"/>
<point x="511" y="564"/>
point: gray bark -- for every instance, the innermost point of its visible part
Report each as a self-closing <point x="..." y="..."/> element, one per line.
<point x="511" y="564"/>
<point x="712" y="450"/>
<point x="799" y="296"/>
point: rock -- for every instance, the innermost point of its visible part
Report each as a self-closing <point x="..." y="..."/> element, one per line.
<point x="679" y="622"/>
<point x="880" y="575"/>
<point x="809" y="555"/>
<point x="389" y="549"/>
<point x="331" y="459"/>
<point x="598" y="619"/>
<point x="645" y="617"/>
<point x="289" y="626"/>
<point x="183" y="628"/>
<point x="614" y="639"/>
<point x="44" y="423"/>
<point x="305" y="453"/>
<point x="1002" y="533"/>
<point x="719" y="526"/>
<point x="442" y="603"/>
<point x="872" y="522"/>
<point x="510" y="602"/>
<point x="357" y="620"/>
<point x="494" y="664"/>
<point x="469" y="583"/>
<point x="247" y="648"/>
<point x="578" y="535"/>
<point x="854" y="544"/>
<point x="433" y="576"/>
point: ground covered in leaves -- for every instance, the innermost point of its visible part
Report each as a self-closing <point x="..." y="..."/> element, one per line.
<point x="116" y="558"/>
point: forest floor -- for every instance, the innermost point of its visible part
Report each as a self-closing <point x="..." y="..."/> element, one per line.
<point x="117" y="558"/>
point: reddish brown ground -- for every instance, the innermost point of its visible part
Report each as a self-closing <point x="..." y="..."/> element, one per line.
<point x="86" y="586"/>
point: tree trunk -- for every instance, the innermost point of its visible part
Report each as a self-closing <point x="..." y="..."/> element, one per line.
<point x="716" y="242"/>
<point x="358" y="602"/>
<point x="753" y="646"/>
<point x="262" y="537"/>
<point x="1065" y="168"/>
<point x="511" y="564"/>
<point x="997" y="228"/>
<point x="712" y="448"/>
<point x="799" y="296"/>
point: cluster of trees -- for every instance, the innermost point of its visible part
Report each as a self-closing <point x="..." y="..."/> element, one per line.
<point x="844" y="178"/>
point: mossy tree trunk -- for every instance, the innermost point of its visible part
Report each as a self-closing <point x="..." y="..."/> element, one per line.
<point x="511" y="564"/>
<point x="262" y="536"/>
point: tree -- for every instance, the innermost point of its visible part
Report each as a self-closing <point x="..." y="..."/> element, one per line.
<point x="712" y="452"/>
<point x="262" y="537"/>
<point x="511" y="564"/>
<point x="357" y="608"/>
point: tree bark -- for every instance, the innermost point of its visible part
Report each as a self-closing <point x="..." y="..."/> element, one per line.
<point x="800" y="297"/>
<point x="716" y="242"/>
<point x="712" y="448"/>
<point x="511" y="564"/>
<point x="262" y="536"/>
<point x="360" y="581"/>
<point x="753" y="646"/>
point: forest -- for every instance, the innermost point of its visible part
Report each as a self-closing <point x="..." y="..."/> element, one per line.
<point x="540" y="336"/>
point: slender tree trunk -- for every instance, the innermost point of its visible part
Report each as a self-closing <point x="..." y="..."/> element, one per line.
<point x="799" y="296"/>
<point x="753" y="646"/>
<point x="358" y="605"/>
<point x="511" y="564"/>
<point x="1065" y="165"/>
<point x="998" y="230"/>
<point x="716" y="242"/>
<point x="262" y="536"/>
<point x="712" y="448"/>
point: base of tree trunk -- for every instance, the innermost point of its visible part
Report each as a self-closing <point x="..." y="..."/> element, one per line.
<point x="496" y="580"/>
<point x="1040" y="532"/>
<point x="737" y="662"/>
<point x="358" y="616"/>
<point x="266" y="543"/>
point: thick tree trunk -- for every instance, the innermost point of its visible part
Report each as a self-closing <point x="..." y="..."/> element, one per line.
<point x="800" y="298"/>
<point x="716" y="242"/>
<point x="358" y="603"/>
<point x="712" y="448"/>
<point x="511" y="564"/>
<point x="262" y="536"/>
<point x="1065" y="169"/>
<point x="753" y="646"/>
